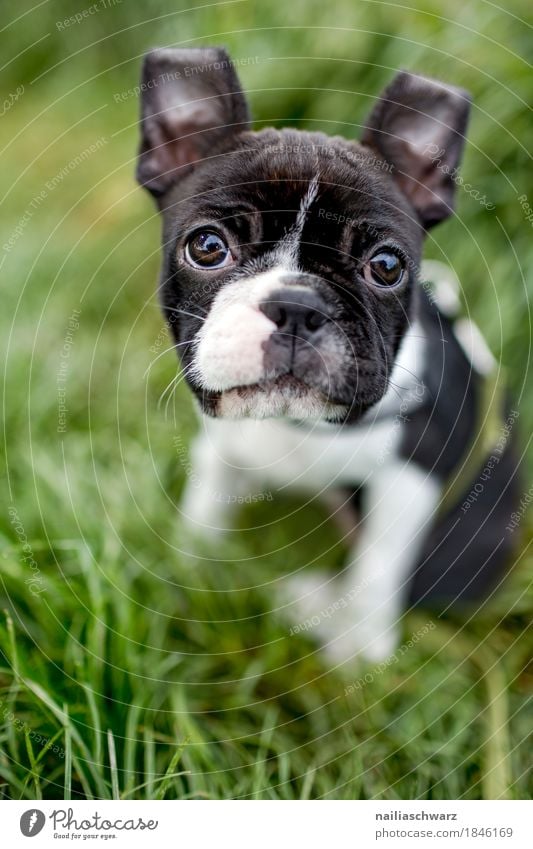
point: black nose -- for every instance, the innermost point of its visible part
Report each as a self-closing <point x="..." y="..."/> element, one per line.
<point x="295" y="312"/>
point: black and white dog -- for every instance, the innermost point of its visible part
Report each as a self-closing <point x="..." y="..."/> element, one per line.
<point x="290" y="282"/>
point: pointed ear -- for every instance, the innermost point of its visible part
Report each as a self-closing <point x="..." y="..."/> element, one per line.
<point x="418" y="126"/>
<point x="191" y="102"/>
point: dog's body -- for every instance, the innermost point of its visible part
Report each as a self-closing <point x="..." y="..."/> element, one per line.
<point x="290" y="283"/>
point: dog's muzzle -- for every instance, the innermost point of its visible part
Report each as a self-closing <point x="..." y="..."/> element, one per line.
<point x="299" y="317"/>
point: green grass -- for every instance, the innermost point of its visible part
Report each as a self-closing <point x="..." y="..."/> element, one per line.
<point x="138" y="671"/>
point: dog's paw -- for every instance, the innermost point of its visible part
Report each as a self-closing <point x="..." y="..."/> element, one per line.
<point x="359" y="643"/>
<point x="307" y="601"/>
<point x="350" y="627"/>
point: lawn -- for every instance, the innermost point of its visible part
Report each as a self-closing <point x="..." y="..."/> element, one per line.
<point x="130" y="666"/>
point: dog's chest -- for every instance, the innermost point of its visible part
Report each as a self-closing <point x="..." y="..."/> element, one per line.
<point x="308" y="456"/>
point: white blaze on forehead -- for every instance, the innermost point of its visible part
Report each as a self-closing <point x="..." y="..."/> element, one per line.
<point x="310" y="196"/>
<point x="229" y="345"/>
<point x="287" y="250"/>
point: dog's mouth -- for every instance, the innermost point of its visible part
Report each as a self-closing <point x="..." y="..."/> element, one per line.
<point x="286" y="384"/>
<point x="284" y="395"/>
<point x="282" y="382"/>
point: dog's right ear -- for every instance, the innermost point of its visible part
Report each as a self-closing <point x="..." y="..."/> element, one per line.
<point x="191" y="100"/>
<point x="418" y="126"/>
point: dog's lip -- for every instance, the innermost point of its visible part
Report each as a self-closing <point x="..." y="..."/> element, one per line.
<point x="285" y="383"/>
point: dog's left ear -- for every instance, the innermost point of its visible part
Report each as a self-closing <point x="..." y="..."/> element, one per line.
<point x="418" y="126"/>
<point x="191" y="101"/>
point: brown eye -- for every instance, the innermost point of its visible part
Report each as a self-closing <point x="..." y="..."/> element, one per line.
<point x="207" y="249"/>
<point x="384" y="269"/>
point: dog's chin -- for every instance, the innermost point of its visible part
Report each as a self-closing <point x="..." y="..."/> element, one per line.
<point x="285" y="396"/>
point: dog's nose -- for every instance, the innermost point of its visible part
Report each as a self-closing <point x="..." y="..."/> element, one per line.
<point x="295" y="311"/>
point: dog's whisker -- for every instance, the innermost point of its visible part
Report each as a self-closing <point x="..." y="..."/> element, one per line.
<point x="411" y="373"/>
<point x="185" y="312"/>
<point x="175" y="383"/>
<point x="168" y="388"/>
<point x="172" y="348"/>
<point x="394" y="336"/>
<point x="395" y="390"/>
<point x="399" y="386"/>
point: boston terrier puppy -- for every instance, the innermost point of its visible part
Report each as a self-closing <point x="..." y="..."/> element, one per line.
<point x="318" y="357"/>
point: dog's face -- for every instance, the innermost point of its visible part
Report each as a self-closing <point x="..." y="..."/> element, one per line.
<point x="290" y="258"/>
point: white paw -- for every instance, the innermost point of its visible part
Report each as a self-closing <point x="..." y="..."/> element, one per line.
<point x="308" y="602"/>
<point x="373" y="642"/>
<point x="348" y="625"/>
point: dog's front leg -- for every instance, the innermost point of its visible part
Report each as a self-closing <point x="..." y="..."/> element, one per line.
<point x="213" y="490"/>
<point x="402" y="499"/>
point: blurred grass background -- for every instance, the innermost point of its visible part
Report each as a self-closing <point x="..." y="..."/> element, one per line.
<point x="146" y="672"/>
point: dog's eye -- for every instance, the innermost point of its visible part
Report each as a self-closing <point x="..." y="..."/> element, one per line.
<point x="384" y="269"/>
<point x="207" y="249"/>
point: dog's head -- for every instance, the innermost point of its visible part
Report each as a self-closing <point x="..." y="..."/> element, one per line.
<point x="291" y="258"/>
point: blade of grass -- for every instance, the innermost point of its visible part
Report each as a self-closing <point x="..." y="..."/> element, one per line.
<point x="14" y="686"/>
<point x="34" y="774"/>
<point x="44" y="697"/>
<point x="169" y="774"/>
<point x="115" y="789"/>
<point x="496" y="778"/>
<point x="260" y="779"/>
<point x="84" y="781"/>
<point x="157" y="781"/>
<point x="149" y="760"/>
<point x="68" y="756"/>
<point x="130" y="746"/>
<point x="97" y="727"/>
<point x="308" y="782"/>
<point x="43" y="752"/>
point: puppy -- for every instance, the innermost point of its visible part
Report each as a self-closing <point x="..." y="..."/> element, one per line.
<point x="290" y="281"/>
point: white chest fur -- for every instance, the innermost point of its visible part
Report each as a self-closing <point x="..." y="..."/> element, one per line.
<point x="309" y="456"/>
